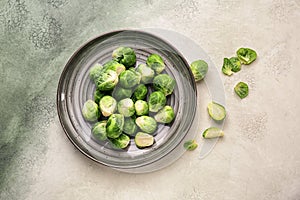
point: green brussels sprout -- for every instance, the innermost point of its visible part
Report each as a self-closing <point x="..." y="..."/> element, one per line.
<point x="156" y="63"/>
<point x="190" y="145"/>
<point x="115" y="66"/>
<point x="246" y="55"/>
<point x="216" y="111"/>
<point x="236" y="64"/>
<point x="99" y="130"/>
<point x="121" y="93"/>
<point x="108" y="105"/>
<point x="107" y="80"/>
<point x="164" y="83"/>
<point x="227" y="67"/>
<point x="147" y="74"/>
<point x="212" y="132"/>
<point x="125" y="56"/>
<point x="140" y="92"/>
<point x="130" y="127"/>
<point x="157" y="100"/>
<point x="241" y="89"/>
<point x="143" y="140"/>
<point x="165" y="115"/>
<point x="97" y="96"/>
<point x="95" y="72"/>
<point x="120" y="142"/>
<point x="199" y="69"/>
<point x="90" y="111"/>
<point x="126" y="107"/>
<point x="146" y="124"/>
<point x="141" y="107"/>
<point x="129" y="79"/>
<point x="114" y="125"/>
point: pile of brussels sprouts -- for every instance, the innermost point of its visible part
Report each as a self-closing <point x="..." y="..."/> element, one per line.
<point x="123" y="106"/>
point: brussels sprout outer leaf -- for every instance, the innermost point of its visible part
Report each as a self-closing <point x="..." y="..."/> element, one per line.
<point x="190" y="145"/>
<point x="246" y="55"/>
<point x="164" y="83"/>
<point x="143" y="140"/>
<point x="199" y="69"/>
<point x="146" y="124"/>
<point x="212" y="132"/>
<point x="90" y="111"/>
<point x="236" y="64"/>
<point x="227" y="67"/>
<point x="216" y="111"/>
<point x="120" y="142"/>
<point x="165" y="115"/>
<point x="241" y="89"/>
<point x="157" y="101"/>
<point x="99" y="130"/>
<point x="114" y="126"/>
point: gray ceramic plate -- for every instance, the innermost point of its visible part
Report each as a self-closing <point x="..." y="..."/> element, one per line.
<point x="75" y="87"/>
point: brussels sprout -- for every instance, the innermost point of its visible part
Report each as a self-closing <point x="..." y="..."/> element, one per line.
<point x="125" y="56"/>
<point x="115" y="66"/>
<point x="246" y="55"/>
<point x="108" y="105"/>
<point x="165" y="115"/>
<point x="99" y="130"/>
<point x="156" y="63"/>
<point x="129" y="79"/>
<point x="190" y="145"/>
<point x="143" y="140"/>
<point x="95" y="72"/>
<point x="199" y="69"/>
<point x="126" y="107"/>
<point x="216" y="111"/>
<point x="147" y="74"/>
<point x="157" y="101"/>
<point x="130" y="127"/>
<point x="114" y="125"/>
<point x="236" y="64"/>
<point x="241" y="89"/>
<point x="164" y="83"/>
<point x="146" y="124"/>
<point x="227" y="67"/>
<point x="140" y="92"/>
<point x="213" y="132"/>
<point x="121" y="93"/>
<point x="90" y="111"/>
<point x="107" y="80"/>
<point x="97" y="96"/>
<point x="120" y="142"/>
<point x="141" y="107"/>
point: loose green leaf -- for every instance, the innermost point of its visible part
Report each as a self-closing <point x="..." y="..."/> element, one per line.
<point x="190" y="145"/>
<point x="241" y="89"/>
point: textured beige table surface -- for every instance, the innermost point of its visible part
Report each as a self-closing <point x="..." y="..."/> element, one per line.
<point x="259" y="157"/>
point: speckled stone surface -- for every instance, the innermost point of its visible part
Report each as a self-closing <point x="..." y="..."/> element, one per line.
<point x="257" y="159"/>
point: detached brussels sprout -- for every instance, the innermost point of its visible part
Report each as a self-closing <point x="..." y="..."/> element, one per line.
<point x="164" y="83"/>
<point x="236" y="64"/>
<point x="156" y="63"/>
<point x="190" y="145"/>
<point x="114" y="126"/>
<point x="121" y="142"/>
<point x="141" y="107"/>
<point x="212" y="132"/>
<point x="241" y="89"/>
<point x="199" y="69"/>
<point x="147" y="74"/>
<point x="97" y="96"/>
<point x="90" y="111"/>
<point x="227" y="67"/>
<point x="216" y="111"/>
<point x="99" y="130"/>
<point x="108" y="105"/>
<point x="115" y="66"/>
<point x="157" y="101"/>
<point x="130" y="127"/>
<point x="95" y="72"/>
<point x="121" y="93"/>
<point x="246" y="55"/>
<point x="165" y="115"/>
<point x="140" y="92"/>
<point x="143" y="140"/>
<point x="125" y="56"/>
<point x="126" y="107"/>
<point x="107" y="80"/>
<point x="129" y="79"/>
<point x="146" y="124"/>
